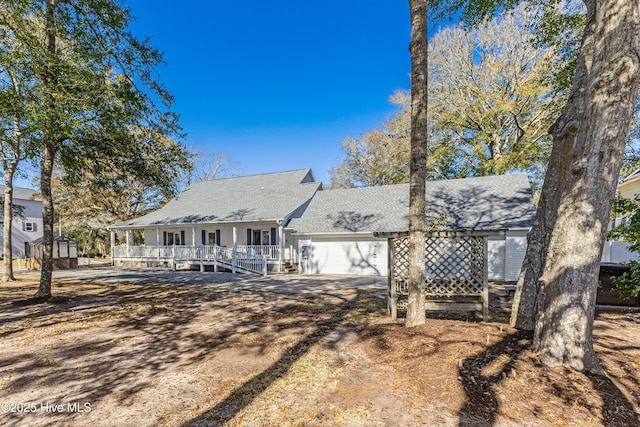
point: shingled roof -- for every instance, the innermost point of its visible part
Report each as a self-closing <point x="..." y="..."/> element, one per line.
<point x="265" y="197"/>
<point x="489" y="203"/>
<point x="22" y="193"/>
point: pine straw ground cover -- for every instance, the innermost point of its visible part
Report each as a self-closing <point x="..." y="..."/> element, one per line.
<point x="132" y="355"/>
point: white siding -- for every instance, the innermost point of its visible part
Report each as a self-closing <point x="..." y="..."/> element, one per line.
<point x="516" y="246"/>
<point x="496" y="248"/>
<point x="348" y="255"/>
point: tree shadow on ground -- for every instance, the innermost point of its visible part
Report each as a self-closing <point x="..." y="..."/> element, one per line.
<point x="244" y="395"/>
<point x="120" y="340"/>
<point x="482" y="374"/>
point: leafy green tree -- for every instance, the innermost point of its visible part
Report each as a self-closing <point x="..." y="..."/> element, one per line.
<point x="102" y="110"/>
<point x="16" y="106"/>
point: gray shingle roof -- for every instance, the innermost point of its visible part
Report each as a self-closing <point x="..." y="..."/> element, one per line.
<point x="248" y="198"/>
<point x="22" y="193"/>
<point x="485" y="203"/>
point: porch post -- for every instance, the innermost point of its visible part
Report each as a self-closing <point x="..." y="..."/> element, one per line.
<point x="113" y="246"/>
<point x="193" y="235"/>
<point x="233" y="252"/>
<point x="158" y="241"/>
<point x="280" y="247"/>
<point x="128" y="234"/>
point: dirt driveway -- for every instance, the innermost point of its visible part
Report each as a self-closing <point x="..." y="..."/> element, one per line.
<point x="146" y="348"/>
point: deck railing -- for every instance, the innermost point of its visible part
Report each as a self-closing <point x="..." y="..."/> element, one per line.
<point x="244" y="258"/>
<point x="271" y="252"/>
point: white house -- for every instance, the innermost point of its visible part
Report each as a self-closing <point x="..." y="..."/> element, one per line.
<point x="247" y="213"/>
<point x="614" y="251"/>
<point x="287" y="217"/>
<point x="337" y="228"/>
<point x="26" y="227"/>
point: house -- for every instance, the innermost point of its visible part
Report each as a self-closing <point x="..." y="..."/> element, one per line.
<point x="248" y="214"/>
<point x="287" y="217"/>
<point x="616" y="252"/>
<point x="339" y="227"/>
<point x="27" y="226"/>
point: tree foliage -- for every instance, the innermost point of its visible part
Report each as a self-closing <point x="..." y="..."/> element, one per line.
<point x="17" y="100"/>
<point x="491" y="103"/>
<point x="102" y="112"/>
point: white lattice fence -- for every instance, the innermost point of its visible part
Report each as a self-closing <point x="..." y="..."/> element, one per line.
<point x="455" y="272"/>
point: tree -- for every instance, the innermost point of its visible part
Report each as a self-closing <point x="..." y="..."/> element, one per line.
<point x="491" y="96"/>
<point x="208" y="165"/>
<point x="556" y="291"/>
<point x="380" y="156"/>
<point x="418" y="167"/>
<point x="101" y="106"/>
<point x="16" y="101"/>
<point x="491" y="102"/>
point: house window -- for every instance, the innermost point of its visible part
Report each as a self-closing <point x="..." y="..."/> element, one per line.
<point x="29" y="226"/>
<point x="174" y="239"/>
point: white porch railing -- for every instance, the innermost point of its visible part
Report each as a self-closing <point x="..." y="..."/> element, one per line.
<point x="243" y="259"/>
<point x="272" y="252"/>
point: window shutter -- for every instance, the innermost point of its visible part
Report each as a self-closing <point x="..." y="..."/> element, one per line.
<point x="204" y="237"/>
<point x="249" y="231"/>
<point x="164" y="238"/>
<point x="24" y="226"/>
<point x="218" y="238"/>
<point x="182" y="237"/>
<point x="273" y="236"/>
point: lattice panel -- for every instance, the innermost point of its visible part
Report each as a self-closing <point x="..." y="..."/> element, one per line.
<point x="454" y="265"/>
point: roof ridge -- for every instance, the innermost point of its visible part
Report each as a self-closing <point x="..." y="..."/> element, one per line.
<point x="257" y="174"/>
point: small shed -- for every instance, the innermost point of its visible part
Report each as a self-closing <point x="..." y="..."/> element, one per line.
<point x="65" y="254"/>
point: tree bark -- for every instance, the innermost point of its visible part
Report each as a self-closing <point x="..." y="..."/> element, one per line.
<point x="46" y="166"/>
<point x="556" y="291"/>
<point x="9" y="170"/>
<point x="418" y="165"/>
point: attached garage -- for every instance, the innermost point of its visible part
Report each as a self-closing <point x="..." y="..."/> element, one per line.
<point x="335" y="234"/>
<point x="343" y="255"/>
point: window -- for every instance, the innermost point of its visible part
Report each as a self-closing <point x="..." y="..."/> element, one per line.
<point x="29" y="226"/>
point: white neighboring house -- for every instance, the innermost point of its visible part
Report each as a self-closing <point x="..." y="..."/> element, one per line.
<point x="614" y="251"/>
<point x="288" y="218"/>
<point x="27" y="228"/>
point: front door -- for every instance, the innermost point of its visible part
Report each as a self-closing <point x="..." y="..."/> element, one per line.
<point x="256" y="237"/>
<point x="266" y="237"/>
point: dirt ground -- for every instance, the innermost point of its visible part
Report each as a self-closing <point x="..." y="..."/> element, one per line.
<point x="236" y="353"/>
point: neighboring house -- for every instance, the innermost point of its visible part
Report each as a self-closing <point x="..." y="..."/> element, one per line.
<point x="616" y="252"/>
<point x="27" y="227"/>
<point x="337" y="228"/>
<point x="288" y="217"/>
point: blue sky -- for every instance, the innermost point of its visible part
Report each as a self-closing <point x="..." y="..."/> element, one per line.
<point x="278" y="84"/>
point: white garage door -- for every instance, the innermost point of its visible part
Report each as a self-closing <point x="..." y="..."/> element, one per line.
<point x="353" y="256"/>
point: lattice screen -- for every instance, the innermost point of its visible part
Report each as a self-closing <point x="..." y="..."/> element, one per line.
<point x="455" y="265"/>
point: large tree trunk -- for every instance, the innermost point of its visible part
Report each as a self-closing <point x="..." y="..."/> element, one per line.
<point x="10" y="168"/>
<point x="46" y="166"/>
<point x="46" y="171"/>
<point x="557" y="287"/>
<point x="418" y="171"/>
